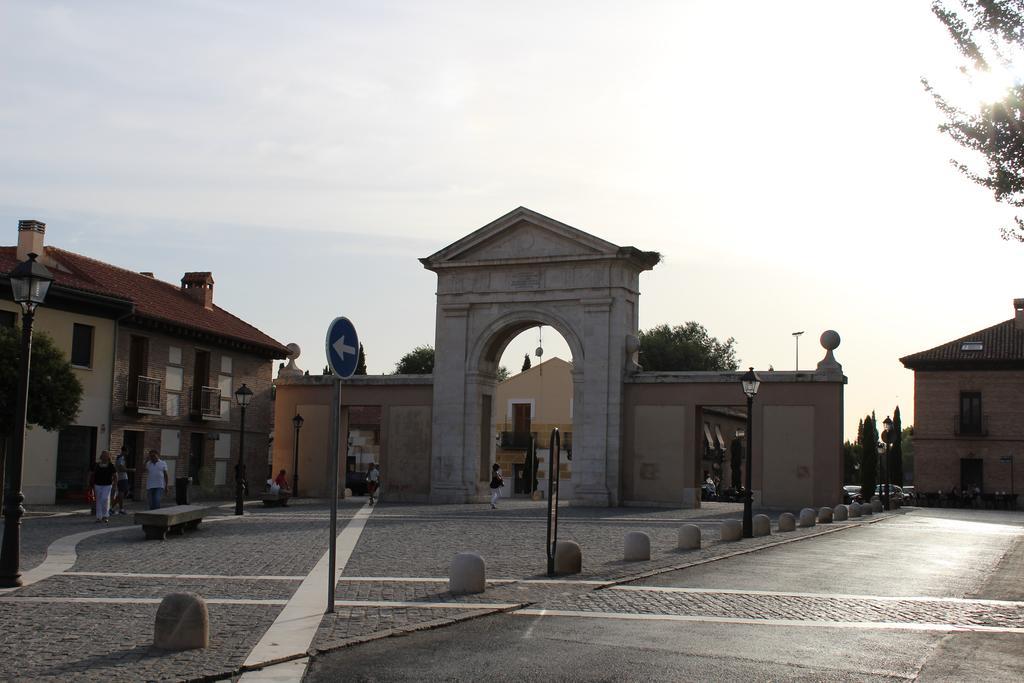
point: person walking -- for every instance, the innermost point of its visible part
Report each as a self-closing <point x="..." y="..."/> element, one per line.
<point x="122" y="484"/>
<point x="496" y="483"/>
<point x="102" y="481"/>
<point x="372" y="481"/>
<point x="156" y="479"/>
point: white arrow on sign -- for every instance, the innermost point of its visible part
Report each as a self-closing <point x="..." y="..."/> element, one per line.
<point x="342" y="348"/>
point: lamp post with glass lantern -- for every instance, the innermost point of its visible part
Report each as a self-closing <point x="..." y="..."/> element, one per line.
<point x="30" y="281"/>
<point x="750" y="383"/>
<point x="887" y="435"/>
<point x="243" y="395"/>
<point x="297" y="421"/>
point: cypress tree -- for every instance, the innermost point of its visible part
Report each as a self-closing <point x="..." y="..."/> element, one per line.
<point x="896" y="450"/>
<point x="869" y="460"/>
<point x="526" y="363"/>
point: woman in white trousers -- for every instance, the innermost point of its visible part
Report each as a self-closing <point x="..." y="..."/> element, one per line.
<point x="103" y="480"/>
<point x="496" y="483"/>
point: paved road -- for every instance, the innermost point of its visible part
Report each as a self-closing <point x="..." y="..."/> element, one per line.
<point x="928" y="595"/>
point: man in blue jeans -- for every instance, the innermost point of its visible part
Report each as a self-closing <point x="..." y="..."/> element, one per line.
<point x="156" y="479"/>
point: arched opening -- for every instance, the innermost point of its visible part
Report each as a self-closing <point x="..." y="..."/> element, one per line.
<point x="519" y="405"/>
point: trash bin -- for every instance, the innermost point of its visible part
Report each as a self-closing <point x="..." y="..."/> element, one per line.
<point x="181" y="490"/>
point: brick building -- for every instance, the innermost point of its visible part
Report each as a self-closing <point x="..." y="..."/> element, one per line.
<point x="173" y="364"/>
<point x="969" y="411"/>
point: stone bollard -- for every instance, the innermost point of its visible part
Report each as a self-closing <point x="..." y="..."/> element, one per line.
<point x="637" y="546"/>
<point x="876" y="506"/>
<point x="762" y="525"/>
<point x="855" y="510"/>
<point x="825" y="515"/>
<point x="568" y="558"/>
<point x="467" y="575"/>
<point x="347" y="493"/>
<point x="808" y="517"/>
<point x="865" y="509"/>
<point x="182" y="623"/>
<point x="840" y="513"/>
<point x="787" y="522"/>
<point x="731" y="530"/>
<point x="689" y="537"/>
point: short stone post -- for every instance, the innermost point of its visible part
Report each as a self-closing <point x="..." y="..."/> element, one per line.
<point x="762" y="525"/>
<point x="468" y="574"/>
<point x="787" y="522"/>
<point x="637" y="546"/>
<point x="731" y="530"/>
<point x="568" y="558"/>
<point x="808" y="517"/>
<point x="855" y="510"/>
<point x="876" y="506"/>
<point x="689" y="537"/>
<point x="182" y="623"/>
<point x="825" y="515"/>
<point x="866" y="509"/>
<point x="840" y="513"/>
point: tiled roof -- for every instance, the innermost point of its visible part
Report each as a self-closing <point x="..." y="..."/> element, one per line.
<point x="154" y="300"/>
<point x="1000" y="345"/>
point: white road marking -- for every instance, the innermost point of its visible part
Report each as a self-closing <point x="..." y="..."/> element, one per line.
<point x="131" y="601"/>
<point x="425" y="579"/>
<point x="131" y="575"/>
<point x="385" y="604"/>
<point x="883" y="625"/>
<point x="839" y="596"/>
<point x="292" y="632"/>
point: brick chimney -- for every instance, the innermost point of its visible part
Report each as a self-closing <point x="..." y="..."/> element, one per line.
<point x="30" y="238"/>
<point x="199" y="288"/>
<point x="1018" y="314"/>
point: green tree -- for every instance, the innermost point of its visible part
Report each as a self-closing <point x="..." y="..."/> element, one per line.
<point x="869" y="458"/>
<point x="685" y="347"/>
<point x="361" y="363"/>
<point x="419" y="361"/>
<point x="502" y="373"/>
<point x="526" y="363"/>
<point x="54" y="393"/>
<point x="989" y="34"/>
<point x="896" y="450"/>
<point x="851" y="461"/>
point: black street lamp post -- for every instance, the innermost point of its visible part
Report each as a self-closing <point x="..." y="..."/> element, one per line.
<point x="750" y="382"/>
<point x="297" y="421"/>
<point x="30" y="281"/>
<point x="243" y="395"/>
<point x="887" y="435"/>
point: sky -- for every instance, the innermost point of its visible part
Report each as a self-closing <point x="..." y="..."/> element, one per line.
<point x="783" y="157"/>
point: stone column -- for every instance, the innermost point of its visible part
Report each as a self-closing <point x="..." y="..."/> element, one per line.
<point x="592" y="487"/>
<point x="448" y="444"/>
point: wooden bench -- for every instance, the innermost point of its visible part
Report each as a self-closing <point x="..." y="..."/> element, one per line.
<point x="273" y="499"/>
<point x="156" y="523"/>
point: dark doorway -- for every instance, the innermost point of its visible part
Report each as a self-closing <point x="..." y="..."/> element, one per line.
<point x="76" y="456"/>
<point x="197" y="442"/>
<point x="521" y="420"/>
<point x="134" y="443"/>
<point x="970" y="474"/>
<point x="200" y="379"/>
<point x="138" y="365"/>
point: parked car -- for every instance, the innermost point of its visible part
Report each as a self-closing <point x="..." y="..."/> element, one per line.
<point x="851" y="494"/>
<point x="895" y="492"/>
<point x="909" y="495"/>
<point x="356" y="481"/>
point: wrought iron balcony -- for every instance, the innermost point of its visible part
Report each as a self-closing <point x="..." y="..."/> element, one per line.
<point x="205" y="403"/>
<point x="516" y="441"/>
<point x="147" y="395"/>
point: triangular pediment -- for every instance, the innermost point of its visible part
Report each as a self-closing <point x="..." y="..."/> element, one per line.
<point x="521" y="235"/>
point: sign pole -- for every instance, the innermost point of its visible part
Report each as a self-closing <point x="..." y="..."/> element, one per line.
<point x="342" y="347"/>
<point x="335" y="446"/>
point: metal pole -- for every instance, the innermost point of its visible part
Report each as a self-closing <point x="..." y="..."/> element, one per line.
<point x="295" y="465"/>
<point x="335" y="445"/>
<point x="240" y="468"/>
<point x="885" y="492"/>
<point x="10" y="551"/>
<point x="748" y="499"/>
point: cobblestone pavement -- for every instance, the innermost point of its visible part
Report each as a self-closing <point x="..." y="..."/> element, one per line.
<point x="841" y="609"/>
<point x="93" y="641"/>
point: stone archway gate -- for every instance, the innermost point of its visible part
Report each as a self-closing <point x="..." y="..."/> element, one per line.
<point x="523" y="270"/>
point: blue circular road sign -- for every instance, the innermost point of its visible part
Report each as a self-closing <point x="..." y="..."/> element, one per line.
<point x="342" y="347"/>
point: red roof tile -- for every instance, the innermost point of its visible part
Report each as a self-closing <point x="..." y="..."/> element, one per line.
<point x="1001" y="345"/>
<point x="154" y="299"/>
